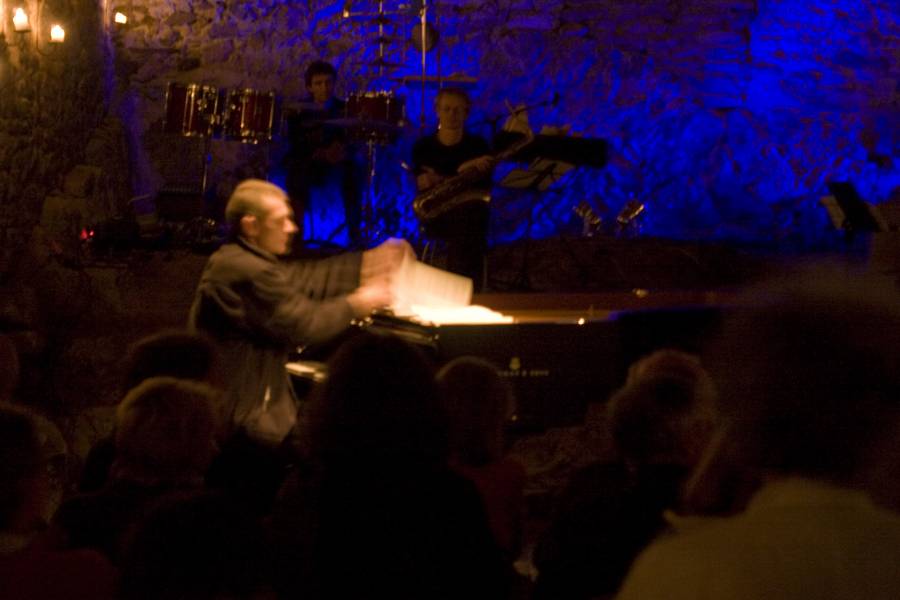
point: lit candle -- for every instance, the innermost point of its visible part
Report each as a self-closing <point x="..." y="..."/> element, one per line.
<point x="120" y="18"/>
<point x="20" y="20"/>
<point x="57" y="34"/>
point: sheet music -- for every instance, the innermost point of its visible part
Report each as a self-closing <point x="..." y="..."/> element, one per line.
<point x="459" y="315"/>
<point x="431" y="295"/>
<point x="423" y="285"/>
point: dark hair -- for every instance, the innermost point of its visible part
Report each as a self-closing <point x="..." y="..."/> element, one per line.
<point x="478" y="403"/>
<point x="318" y="67"/>
<point x="21" y="456"/>
<point x="378" y="405"/>
<point x="649" y="419"/>
<point x="172" y="353"/>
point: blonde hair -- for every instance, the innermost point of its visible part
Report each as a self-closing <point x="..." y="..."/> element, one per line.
<point x="246" y="199"/>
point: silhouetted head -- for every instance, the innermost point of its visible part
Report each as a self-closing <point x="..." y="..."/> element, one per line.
<point x="478" y="404"/>
<point x="379" y="405"/>
<point x="665" y="413"/>
<point x="173" y="353"/>
<point x="166" y="431"/>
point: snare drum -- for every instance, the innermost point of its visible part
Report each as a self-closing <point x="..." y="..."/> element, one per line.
<point x="377" y="106"/>
<point x="249" y="115"/>
<point x="191" y="109"/>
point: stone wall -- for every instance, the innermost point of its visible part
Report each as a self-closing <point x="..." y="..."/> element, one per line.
<point x="51" y="100"/>
<point x="726" y="117"/>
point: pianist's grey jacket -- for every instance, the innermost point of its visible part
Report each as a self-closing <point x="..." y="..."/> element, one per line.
<point x="258" y="309"/>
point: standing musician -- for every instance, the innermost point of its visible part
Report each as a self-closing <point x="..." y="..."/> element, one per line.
<point x="319" y="152"/>
<point x="448" y="152"/>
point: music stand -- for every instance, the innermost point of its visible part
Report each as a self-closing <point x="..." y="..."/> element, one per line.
<point x="538" y="177"/>
<point x="848" y="211"/>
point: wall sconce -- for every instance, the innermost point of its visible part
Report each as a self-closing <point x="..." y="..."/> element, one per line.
<point x="57" y="34"/>
<point x="120" y="18"/>
<point x="20" y="20"/>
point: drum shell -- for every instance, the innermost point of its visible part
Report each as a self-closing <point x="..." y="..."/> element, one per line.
<point x="377" y="106"/>
<point x="191" y="109"/>
<point x="249" y="115"/>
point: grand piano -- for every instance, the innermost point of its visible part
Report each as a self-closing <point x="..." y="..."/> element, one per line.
<point x="561" y="352"/>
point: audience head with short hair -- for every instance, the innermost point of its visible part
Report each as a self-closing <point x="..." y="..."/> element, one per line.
<point x="23" y="477"/>
<point x="165" y="431"/>
<point x="665" y="413"/>
<point x="478" y="404"/>
<point x="379" y="405"/>
<point x="173" y="353"/>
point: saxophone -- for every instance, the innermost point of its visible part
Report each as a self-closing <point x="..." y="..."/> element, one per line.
<point x="450" y="193"/>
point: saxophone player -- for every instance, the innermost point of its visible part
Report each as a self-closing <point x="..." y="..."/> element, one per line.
<point x="446" y="154"/>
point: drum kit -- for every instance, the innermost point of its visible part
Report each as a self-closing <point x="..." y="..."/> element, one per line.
<point x="245" y="115"/>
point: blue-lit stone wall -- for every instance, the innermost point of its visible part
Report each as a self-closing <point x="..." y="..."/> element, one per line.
<point x="726" y="118"/>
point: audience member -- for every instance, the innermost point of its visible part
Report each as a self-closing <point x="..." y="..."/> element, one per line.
<point x="809" y="382"/>
<point x="479" y="404"/>
<point x="30" y="568"/>
<point x="165" y="436"/>
<point x="173" y="353"/>
<point x="660" y="421"/>
<point x="377" y="512"/>
<point x="201" y="546"/>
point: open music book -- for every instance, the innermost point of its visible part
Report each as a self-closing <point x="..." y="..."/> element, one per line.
<point x="430" y="295"/>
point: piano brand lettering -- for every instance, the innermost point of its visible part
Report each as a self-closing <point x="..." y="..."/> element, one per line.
<point x="516" y="370"/>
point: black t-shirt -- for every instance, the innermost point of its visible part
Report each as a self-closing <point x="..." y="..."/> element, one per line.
<point x="445" y="160"/>
<point x="307" y="131"/>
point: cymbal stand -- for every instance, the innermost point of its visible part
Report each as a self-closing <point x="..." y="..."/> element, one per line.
<point x="423" y="24"/>
<point x="367" y="229"/>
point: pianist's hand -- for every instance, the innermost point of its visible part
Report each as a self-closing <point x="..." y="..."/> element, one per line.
<point x="382" y="262"/>
<point x="367" y="298"/>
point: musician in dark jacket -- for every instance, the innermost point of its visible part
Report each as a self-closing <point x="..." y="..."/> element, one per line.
<point x="258" y="308"/>
<point x="320" y="151"/>
<point x="442" y="156"/>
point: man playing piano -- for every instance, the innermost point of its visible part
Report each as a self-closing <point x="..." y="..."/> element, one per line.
<point x="445" y="154"/>
<point x="258" y="308"/>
